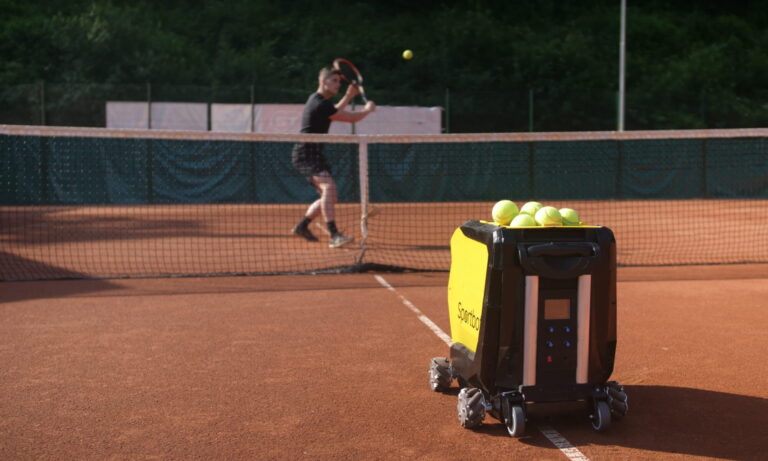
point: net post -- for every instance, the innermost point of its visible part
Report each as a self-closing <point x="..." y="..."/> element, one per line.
<point x="447" y="110"/>
<point x="362" y="150"/>
<point x="531" y="170"/>
<point x="149" y="106"/>
<point x="622" y="65"/>
<point x="704" y="168"/>
<point x="530" y="109"/>
<point x="253" y="109"/>
<point x="619" y="168"/>
<point x="42" y="102"/>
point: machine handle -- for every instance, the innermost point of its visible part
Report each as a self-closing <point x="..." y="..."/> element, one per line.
<point x="585" y="249"/>
<point x="558" y="260"/>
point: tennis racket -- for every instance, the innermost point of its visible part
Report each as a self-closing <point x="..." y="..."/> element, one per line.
<point x="350" y="74"/>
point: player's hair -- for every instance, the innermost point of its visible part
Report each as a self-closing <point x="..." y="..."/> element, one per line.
<point x="326" y="72"/>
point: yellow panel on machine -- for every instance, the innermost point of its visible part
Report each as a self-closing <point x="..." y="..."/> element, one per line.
<point x="466" y="288"/>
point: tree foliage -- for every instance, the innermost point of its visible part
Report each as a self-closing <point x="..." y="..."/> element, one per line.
<point x="698" y="64"/>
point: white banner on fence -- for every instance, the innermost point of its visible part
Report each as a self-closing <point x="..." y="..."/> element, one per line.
<point x="231" y="117"/>
<point x="277" y="118"/>
<point x="399" y="120"/>
<point x="127" y="115"/>
<point x="179" y="116"/>
<point x="164" y="116"/>
<point x="286" y="118"/>
<point x="268" y="118"/>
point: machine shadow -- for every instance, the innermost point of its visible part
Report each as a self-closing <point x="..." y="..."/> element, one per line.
<point x="670" y="419"/>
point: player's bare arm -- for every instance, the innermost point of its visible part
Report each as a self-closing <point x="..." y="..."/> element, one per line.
<point x="349" y="95"/>
<point x="354" y="116"/>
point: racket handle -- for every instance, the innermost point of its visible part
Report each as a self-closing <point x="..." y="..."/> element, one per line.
<point x="361" y="91"/>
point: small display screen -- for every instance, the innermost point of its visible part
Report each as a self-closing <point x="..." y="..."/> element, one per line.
<point x="557" y="309"/>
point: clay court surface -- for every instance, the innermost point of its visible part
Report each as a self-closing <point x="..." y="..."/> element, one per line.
<point x="334" y="367"/>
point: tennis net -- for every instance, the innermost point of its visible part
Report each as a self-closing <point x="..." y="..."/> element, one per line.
<point x="99" y="203"/>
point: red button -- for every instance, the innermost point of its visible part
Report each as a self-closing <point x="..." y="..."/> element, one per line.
<point x="549" y="359"/>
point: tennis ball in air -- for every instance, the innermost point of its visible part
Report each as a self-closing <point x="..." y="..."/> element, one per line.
<point x="504" y="211"/>
<point x="570" y="217"/>
<point x="523" y="220"/>
<point x="548" y="216"/>
<point x="407" y="55"/>
<point x="531" y="208"/>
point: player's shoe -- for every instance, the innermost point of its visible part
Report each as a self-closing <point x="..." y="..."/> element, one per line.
<point x="304" y="233"/>
<point x="339" y="240"/>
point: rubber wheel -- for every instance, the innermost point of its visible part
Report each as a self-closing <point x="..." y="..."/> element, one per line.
<point x="617" y="401"/>
<point x="514" y="419"/>
<point x="440" y="374"/>
<point x="601" y="419"/>
<point x="471" y="407"/>
<point x="618" y="410"/>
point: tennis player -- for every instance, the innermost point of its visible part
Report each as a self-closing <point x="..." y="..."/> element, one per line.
<point x="308" y="158"/>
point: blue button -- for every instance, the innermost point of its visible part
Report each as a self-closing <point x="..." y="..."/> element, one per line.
<point x="567" y="344"/>
<point x="551" y="329"/>
<point x="550" y="344"/>
<point x="567" y="329"/>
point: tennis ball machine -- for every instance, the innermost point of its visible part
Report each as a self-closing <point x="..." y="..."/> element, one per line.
<point x="533" y="320"/>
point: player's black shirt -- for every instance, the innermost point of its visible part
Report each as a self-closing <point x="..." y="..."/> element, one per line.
<point x="317" y="113"/>
<point x="308" y="157"/>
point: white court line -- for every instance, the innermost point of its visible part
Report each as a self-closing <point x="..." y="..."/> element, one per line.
<point x="424" y="319"/>
<point x="557" y="440"/>
<point x="560" y="442"/>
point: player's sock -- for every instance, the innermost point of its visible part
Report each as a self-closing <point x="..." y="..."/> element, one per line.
<point x="302" y="230"/>
<point x="332" y="228"/>
<point x="304" y="223"/>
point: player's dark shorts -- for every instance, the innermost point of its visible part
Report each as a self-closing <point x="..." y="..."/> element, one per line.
<point x="308" y="160"/>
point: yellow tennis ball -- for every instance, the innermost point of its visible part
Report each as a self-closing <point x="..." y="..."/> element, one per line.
<point x="548" y="216"/>
<point x="407" y="54"/>
<point x="531" y="208"/>
<point x="523" y="220"/>
<point x="570" y="217"/>
<point x="503" y="212"/>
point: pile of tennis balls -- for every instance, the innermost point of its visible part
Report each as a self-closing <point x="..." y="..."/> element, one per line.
<point x="532" y="214"/>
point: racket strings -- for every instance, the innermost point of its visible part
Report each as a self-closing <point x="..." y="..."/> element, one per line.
<point x="349" y="77"/>
<point x="350" y="74"/>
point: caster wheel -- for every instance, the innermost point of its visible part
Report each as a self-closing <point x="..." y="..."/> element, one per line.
<point x="514" y="418"/>
<point x="471" y="407"/>
<point x="440" y="374"/>
<point x="601" y="419"/>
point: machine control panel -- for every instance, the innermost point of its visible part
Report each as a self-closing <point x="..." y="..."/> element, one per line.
<point x="556" y="348"/>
